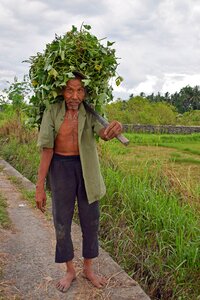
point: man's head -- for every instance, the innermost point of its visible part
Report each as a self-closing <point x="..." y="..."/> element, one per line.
<point x="74" y="93"/>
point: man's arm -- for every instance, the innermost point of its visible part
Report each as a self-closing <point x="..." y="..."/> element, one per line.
<point x="111" y="131"/>
<point x="45" y="160"/>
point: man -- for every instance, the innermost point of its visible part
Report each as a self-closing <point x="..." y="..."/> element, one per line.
<point x="69" y="154"/>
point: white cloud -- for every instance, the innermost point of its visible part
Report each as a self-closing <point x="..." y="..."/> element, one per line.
<point x="157" y="40"/>
<point x="147" y="86"/>
<point x="174" y="82"/>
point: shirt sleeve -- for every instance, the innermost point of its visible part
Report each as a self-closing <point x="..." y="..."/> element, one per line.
<point x="96" y="125"/>
<point x="47" y="131"/>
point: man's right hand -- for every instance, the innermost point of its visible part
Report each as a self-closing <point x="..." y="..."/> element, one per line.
<point x="40" y="195"/>
<point x="40" y="198"/>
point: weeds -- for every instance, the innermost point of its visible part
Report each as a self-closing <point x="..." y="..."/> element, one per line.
<point x="154" y="238"/>
<point x="5" y="221"/>
<point x="148" y="224"/>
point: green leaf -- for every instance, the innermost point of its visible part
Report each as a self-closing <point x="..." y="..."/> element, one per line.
<point x="72" y="68"/>
<point x="74" y="29"/>
<point x="83" y="65"/>
<point x="62" y="55"/>
<point x="45" y="87"/>
<point x="110" y="43"/>
<point x="37" y="118"/>
<point x="118" y="80"/>
<point x="86" y="81"/>
<point x="54" y="94"/>
<point x="47" y="66"/>
<point x="102" y="97"/>
<point x="88" y="27"/>
<point x="70" y="75"/>
<point x="53" y="73"/>
<point x="46" y="103"/>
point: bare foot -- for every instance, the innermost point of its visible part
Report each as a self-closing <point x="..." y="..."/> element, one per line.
<point x="97" y="281"/>
<point x="65" y="282"/>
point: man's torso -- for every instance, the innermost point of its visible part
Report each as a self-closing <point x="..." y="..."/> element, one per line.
<point x="66" y="142"/>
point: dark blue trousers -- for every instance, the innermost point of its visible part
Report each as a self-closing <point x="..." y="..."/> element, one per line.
<point x="67" y="185"/>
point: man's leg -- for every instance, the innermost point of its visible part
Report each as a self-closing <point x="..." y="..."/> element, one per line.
<point x="89" y="220"/>
<point x="98" y="281"/>
<point x="63" y="186"/>
<point x="65" y="282"/>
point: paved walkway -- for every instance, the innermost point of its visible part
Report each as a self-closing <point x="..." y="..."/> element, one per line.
<point x="27" y="252"/>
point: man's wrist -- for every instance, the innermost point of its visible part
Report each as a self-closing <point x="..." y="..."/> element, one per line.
<point x="39" y="186"/>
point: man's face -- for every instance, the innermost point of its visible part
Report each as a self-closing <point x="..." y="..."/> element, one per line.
<point x="74" y="93"/>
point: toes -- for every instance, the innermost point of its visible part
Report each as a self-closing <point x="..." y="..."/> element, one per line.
<point x="64" y="290"/>
<point x="102" y="280"/>
<point x="99" y="283"/>
<point x="59" y="286"/>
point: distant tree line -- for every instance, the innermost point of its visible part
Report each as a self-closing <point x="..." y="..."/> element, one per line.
<point x="186" y="100"/>
<point x="180" y="108"/>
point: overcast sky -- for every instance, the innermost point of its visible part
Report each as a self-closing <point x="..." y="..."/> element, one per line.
<point x="158" y="41"/>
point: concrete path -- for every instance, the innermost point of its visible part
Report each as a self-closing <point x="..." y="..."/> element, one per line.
<point x="27" y="252"/>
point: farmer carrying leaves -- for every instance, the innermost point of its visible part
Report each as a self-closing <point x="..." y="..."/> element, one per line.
<point x="67" y="141"/>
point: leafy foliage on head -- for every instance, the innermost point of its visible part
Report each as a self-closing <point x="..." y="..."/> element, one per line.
<point x="74" y="52"/>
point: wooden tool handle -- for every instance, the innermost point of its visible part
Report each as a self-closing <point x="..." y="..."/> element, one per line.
<point x="123" y="139"/>
<point x="105" y="123"/>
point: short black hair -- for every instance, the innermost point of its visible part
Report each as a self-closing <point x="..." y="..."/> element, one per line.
<point x="78" y="75"/>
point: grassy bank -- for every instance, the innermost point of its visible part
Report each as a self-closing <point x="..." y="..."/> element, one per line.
<point x="4" y="217"/>
<point x="146" y="224"/>
<point x="5" y="223"/>
<point x="151" y="235"/>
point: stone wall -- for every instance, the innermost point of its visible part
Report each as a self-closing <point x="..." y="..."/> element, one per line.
<point x="161" y="129"/>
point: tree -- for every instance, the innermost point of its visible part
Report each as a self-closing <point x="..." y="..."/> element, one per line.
<point x="17" y="94"/>
<point x="190" y="118"/>
<point x="3" y="101"/>
<point x="187" y="99"/>
<point x="164" y="113"/>
<point x="195" y="99"/>
<point x="139" y="110"/>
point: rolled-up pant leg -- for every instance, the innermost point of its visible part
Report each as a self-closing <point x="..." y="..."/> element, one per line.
<point x="89" y="219"/>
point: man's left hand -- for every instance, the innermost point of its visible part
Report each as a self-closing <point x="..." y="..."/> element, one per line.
<point x="113" y="129"/>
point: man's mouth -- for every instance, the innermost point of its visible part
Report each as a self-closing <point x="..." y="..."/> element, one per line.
<point x="73" y="104"/>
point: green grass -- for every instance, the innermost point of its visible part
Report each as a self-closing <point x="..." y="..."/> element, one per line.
<point x="5" y="221"/>
<point x="189" y="143"/>
<point x="160" y="138"/>
<point x="24" y="157"/>
<point x="185" y="160"/>
<point x="145" y="225"/>
<point x="151" y="235"/>
<point x="184" y="147"/>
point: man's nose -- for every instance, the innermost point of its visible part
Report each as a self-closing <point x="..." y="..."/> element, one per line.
<point x="75" y="95"/>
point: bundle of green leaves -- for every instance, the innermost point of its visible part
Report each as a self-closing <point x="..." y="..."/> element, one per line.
<point x="76" y="51"/>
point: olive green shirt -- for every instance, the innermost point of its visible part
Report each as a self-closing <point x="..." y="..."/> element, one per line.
<point x="87" y="126"/>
